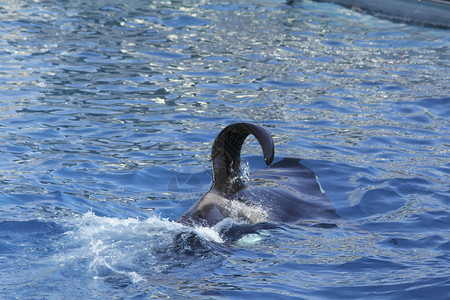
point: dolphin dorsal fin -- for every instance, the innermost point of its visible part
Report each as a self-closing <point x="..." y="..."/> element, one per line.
<point x="226" y="155"/>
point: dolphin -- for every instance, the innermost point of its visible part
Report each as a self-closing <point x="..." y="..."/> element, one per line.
<point x="286" y="191"/>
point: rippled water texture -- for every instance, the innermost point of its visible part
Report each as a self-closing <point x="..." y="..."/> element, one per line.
<point x="107" y="114"/>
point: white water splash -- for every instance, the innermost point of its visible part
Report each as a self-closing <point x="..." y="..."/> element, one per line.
<point x="245" y="171"/>
<point x="248" y="212"/>
<point x="209" y="234"/>
<point x="125" y="248"/>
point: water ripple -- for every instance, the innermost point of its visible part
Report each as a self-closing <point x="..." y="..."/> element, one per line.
<point x="103" y="105"/>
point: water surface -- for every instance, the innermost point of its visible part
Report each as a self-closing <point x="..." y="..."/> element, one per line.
<point x="108" y="111"/>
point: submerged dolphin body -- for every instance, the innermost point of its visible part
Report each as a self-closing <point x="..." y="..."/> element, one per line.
<point x="284" y="192"/>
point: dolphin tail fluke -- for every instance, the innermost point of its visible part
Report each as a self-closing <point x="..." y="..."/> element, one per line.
<point x="226" y="154"/>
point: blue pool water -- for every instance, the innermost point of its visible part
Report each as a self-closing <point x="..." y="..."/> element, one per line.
<point x="108" y="110"/>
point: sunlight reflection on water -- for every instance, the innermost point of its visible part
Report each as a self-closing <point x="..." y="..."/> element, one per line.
<point x="108" y="111"/>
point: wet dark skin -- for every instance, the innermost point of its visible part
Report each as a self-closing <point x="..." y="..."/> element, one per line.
<point x="286" y="191"/>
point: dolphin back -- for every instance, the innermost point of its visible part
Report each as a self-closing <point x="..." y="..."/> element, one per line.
<point x="288" y="191"/>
